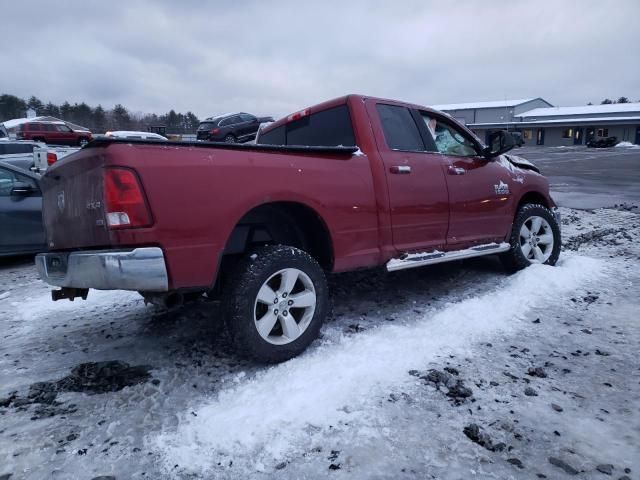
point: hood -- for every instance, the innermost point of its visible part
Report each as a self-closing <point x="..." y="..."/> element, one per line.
<point x="522" y="163"/>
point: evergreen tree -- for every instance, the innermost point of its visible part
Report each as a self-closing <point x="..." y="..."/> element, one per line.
<point x="65" y="111"/>
<point x="81" y="114"/>
<point x="120" y="118"/>
<point x="99" y="120"/>
<point x="36" y="104"/>
<point x="12" y="107"/>
<point x="623" y="100"/>
<point x="51" y="110"/>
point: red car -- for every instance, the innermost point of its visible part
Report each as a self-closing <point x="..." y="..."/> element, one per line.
<point x="53" y="133"/>
<point x="352" y="183"/>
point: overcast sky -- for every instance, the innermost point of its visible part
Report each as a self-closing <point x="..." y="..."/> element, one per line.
<point x="274" y="57"/>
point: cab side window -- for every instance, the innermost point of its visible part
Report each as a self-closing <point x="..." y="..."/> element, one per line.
<point x="449" y="140"/>
<point x="400" y="130"/>
<point x="245" y="117"/>
<point x="8" y="179"/>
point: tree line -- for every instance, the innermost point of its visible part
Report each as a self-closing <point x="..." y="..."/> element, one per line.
<point x="608" y="101"/>
<point x="97" y="119"/>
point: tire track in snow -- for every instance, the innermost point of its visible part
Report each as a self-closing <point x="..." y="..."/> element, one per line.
<point x="270" y="415"/>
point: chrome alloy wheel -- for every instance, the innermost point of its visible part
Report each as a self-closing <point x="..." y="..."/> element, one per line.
<point x="536" y="239"/>
<point x="284" y="306"/>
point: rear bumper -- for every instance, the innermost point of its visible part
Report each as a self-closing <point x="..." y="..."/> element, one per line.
<point x="141" y="269"/>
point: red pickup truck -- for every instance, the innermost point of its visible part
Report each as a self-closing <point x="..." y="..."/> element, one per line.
<point x="351" y="183"/>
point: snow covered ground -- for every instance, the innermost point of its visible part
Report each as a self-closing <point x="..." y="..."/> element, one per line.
<point x="453" y="371"/>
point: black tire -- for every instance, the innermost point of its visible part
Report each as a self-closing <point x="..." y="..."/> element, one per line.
<point x="241" y="292"/>
<point x="514" y="259"/>
<point x="230" y="139"/>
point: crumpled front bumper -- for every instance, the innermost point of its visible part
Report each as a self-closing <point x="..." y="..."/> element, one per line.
<point x="140" y="269"/>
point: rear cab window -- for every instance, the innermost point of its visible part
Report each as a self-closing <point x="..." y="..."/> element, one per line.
<point x="16" y="148"/>
<point x="327" y="128"/>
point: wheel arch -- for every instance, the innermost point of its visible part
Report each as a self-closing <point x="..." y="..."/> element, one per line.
<point x="534" y="197"/>
<point x="283" y="221"/>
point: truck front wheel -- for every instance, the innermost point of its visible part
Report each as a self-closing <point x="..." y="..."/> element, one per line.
<point x="275" y="302"/>
<point x="535" y="238"/>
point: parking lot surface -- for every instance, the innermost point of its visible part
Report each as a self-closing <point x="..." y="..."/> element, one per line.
<point x="582" y="177"/>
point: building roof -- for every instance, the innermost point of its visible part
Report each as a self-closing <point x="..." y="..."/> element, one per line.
<point x="566" y="121"/>
<point x="473" y="105"/>
<point x="583" y="110"/>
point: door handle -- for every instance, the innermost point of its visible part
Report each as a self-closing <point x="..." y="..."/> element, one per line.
<point x="400" y="169"/>
<point x="456" y="171"/>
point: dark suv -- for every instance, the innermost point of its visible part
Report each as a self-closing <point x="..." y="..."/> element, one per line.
<point x="56" y="133"/>
<point x="231" y="128"/>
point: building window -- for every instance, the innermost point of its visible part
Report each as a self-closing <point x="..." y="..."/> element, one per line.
<point x="527" y="134"/>
<point x="567" y="133"/>
<point x="603" y="132"/>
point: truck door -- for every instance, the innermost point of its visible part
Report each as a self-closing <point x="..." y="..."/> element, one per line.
<point x="65" y="135"/>
<point x="415" y="179"/>
<point x="20" y="214"/>
<point x="479" y="189"/>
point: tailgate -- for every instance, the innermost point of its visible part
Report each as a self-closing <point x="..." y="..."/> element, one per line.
<point x="72" y="202"/>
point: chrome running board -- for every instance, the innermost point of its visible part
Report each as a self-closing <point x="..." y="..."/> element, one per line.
<point x="413" y="260"/>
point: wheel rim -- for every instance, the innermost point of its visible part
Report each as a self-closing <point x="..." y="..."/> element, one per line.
<point x="536" y="239"/>
<point x="83" y="142"/>
<point x="284" y="306"/>
<point x="230" y="139"/>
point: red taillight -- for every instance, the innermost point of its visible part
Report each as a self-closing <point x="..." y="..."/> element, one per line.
<point x="215" y="130"/>
<point x="51" y="158"/>
<point x="125" y="205"/>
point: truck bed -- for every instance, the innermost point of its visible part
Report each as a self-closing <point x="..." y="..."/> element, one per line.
<point x="103" y="142"/>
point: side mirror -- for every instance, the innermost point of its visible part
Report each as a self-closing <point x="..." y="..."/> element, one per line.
<point x="499" y="142"/>
<point x="21" y="189"/>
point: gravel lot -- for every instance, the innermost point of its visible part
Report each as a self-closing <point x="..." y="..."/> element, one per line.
<point x="453" y="371"/>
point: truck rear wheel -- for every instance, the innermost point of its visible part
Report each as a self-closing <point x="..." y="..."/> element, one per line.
<point x="535" y="238"/>
<point x="275" y="303"/>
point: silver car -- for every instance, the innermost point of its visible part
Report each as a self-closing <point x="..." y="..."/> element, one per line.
<point x="21" y="227"/>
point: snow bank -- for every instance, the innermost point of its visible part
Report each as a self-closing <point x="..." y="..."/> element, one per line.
<point x="627" y="145"/>
<point x="36" y="308"/>
<point x="273" y="414"/>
